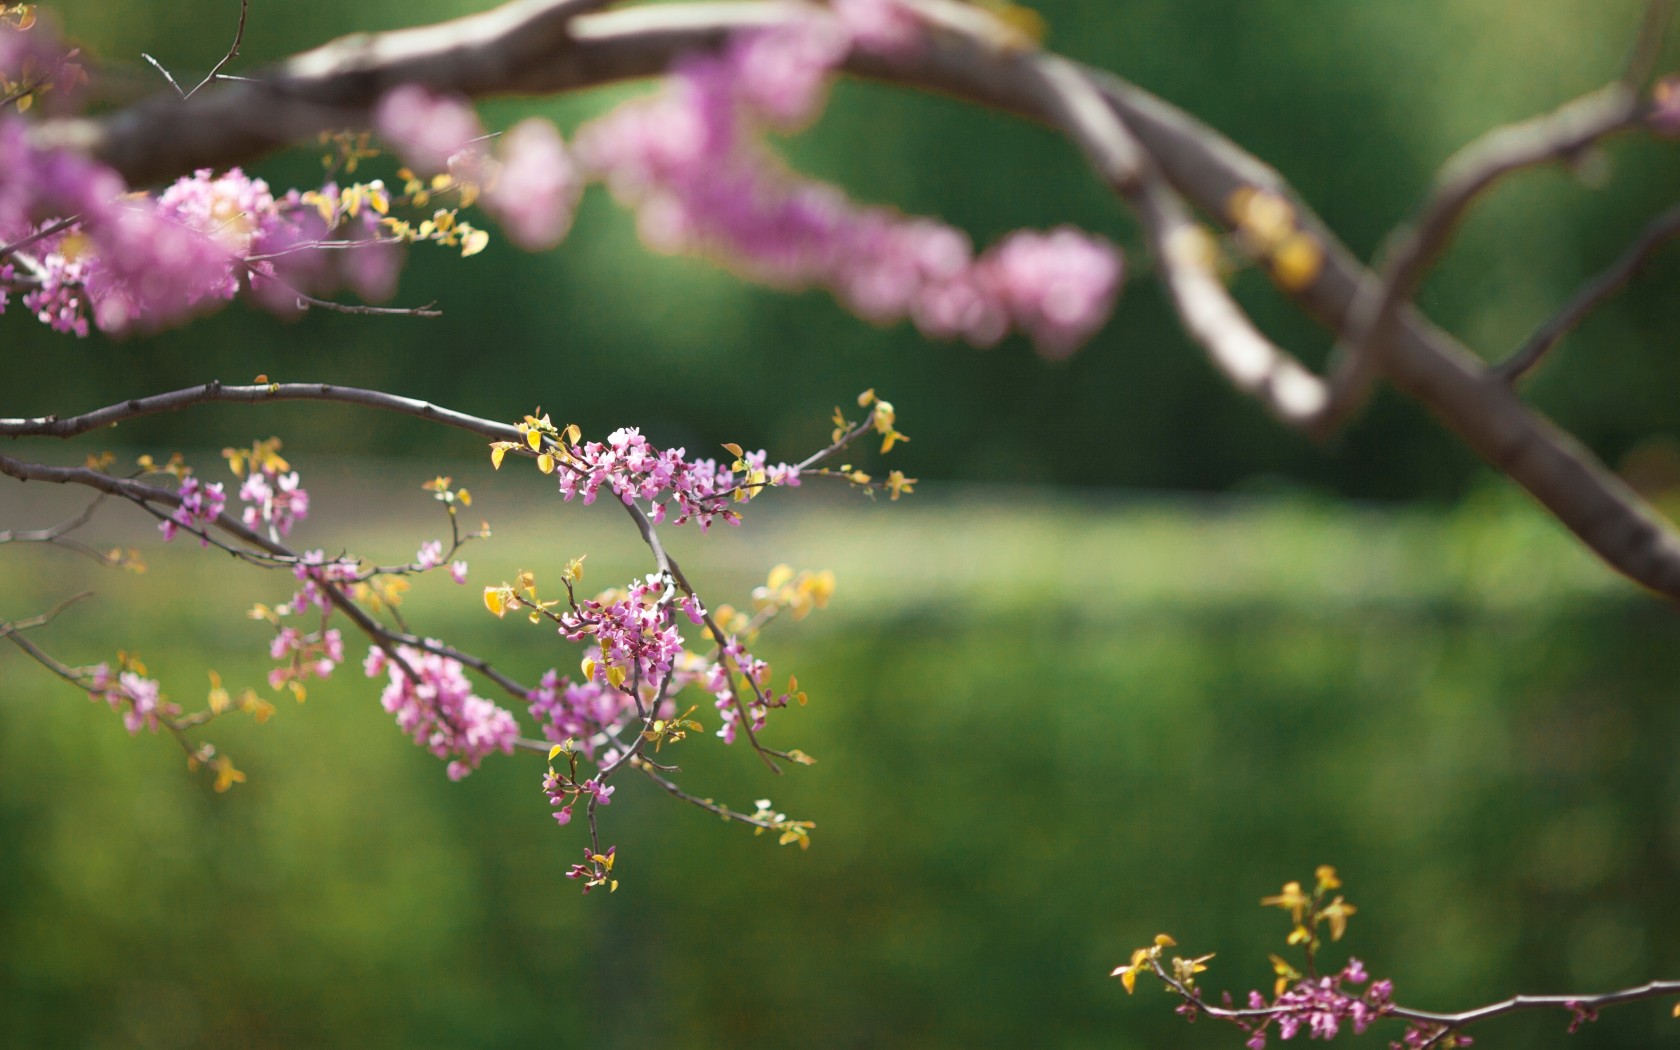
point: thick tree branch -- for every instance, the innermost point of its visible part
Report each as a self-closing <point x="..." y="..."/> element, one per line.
<point x="533" y="47"/>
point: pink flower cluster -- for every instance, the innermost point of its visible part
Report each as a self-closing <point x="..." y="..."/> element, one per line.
<point x="635" y="638"/>
<point x="438" y="709"/>
<point x="200" y="505"/>
<point x="718" y="681"/>
<point x="312" y="570"/>
<point x="563" y="793"/>
<point x="1320" y="1005"/>
<point x="273" y="499"/>
<point x="430" y="556"/>
<point x="579" y="711"/>
<point x="694" y="164"/>
<point x="77" y="247"/>
<point x="634" y="634"/>
<point x="318" y="652"/>
<point x="530" y="185"/>
<point x="631" y="468"/>
<point x="135" y="695"/>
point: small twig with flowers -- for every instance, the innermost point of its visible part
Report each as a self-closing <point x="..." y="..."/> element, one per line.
<point x="636" y="661"/>
<point x="1306" y="999"/>
<point x="143" y="706"/>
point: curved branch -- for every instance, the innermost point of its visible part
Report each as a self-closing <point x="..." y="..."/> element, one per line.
<point x="1413" y="248"/>
<point x="531" y="46"/>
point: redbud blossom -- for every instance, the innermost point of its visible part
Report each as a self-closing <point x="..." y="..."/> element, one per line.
<point x="536" y="189"/>
<point x="438" y="709"/>
<point x="426" y="129"/>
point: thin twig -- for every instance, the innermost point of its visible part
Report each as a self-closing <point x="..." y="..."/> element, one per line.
<point x="8" y="627"/>
<point x="1647" y="46"/>
<point x="1560" y="135"/>
<point x="56" y="535"/>
<point x="216" y="392"/>
<point x="159" y="67"/>
<point x="704" y="803"/>
<point x="429" y="310"/>
<point x="232" y="51"/>
<point x="1662" y="229"/>
<point x="39" y="235"/>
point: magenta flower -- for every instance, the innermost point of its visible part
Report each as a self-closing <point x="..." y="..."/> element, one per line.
<point x="537" y="187"/>
<point x="426" y="129"/>
<point x="200" y="506"/>
<point x="438" y="709"/>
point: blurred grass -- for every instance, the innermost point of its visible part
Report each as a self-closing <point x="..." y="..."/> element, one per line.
<point x="1048" y="727"/>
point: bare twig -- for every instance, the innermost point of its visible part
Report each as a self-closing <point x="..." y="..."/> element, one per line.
<point x="1647" y="45"/>
<point x="1519" y="1003"/>
<point x="217" y="392"/>
<point x="706" y="804"/>
<point x="155" y="64"/>
<point x="232" y="51"/>
<point x="216" y="70"/>
<point x="429" y="310"/>
<point x="1662" y="229"/>
<point x="8" y="627"/>
<point x="1560" y="135"/>
<point x="57" y="535"/>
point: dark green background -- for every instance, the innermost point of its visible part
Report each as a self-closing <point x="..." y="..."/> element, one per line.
<point x="1053" y="717"/>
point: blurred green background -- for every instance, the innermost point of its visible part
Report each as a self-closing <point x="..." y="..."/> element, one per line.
<point x="1130" y="658"/>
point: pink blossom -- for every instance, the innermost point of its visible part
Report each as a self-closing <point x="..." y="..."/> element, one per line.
<point x="458" y="571"/>
<point x="781" y="74"/>
<point x="439" y="710"/>
<point x="694" y="164"/>
<point x="430" y="555"/>
<point x="199" y="507"/>
<point x="1059" y="287"/>
<point x="885" y="27"/>
<point x="426" y="129"/>
<point x="137" y="697"/>
<point x="537" y="187"/>
<point x="273" y="499"/>
<point x="632" y="469"/>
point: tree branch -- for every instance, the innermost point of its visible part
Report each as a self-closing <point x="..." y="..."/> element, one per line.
<point x="532" y="46"/>
<point x="215" y="391"/>
<point x="1663" y="228"/>
<point x="1413" y="248"/>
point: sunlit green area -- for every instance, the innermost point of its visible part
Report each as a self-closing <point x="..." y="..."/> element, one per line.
<point x="1131" y="656"/>
<point x="1046" y="729"/>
